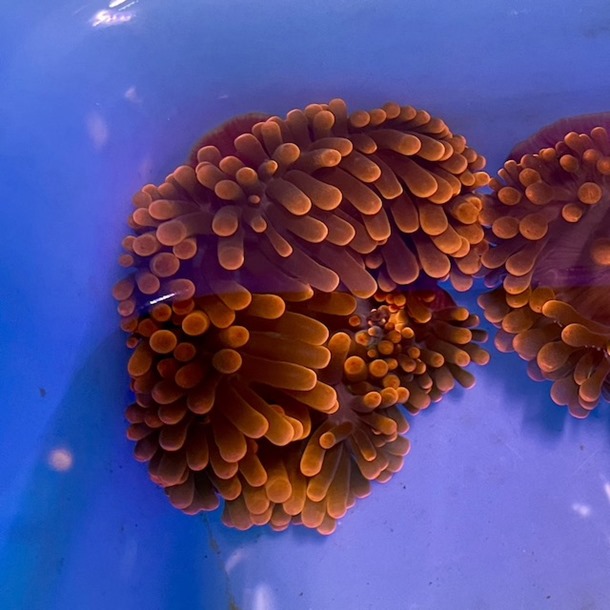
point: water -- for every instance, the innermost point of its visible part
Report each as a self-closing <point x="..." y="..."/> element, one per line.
<point x="504" y="499"/>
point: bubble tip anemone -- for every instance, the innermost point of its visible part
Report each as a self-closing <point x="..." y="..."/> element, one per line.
<point x="282" y="304"/>
<point x="548" y="259"/>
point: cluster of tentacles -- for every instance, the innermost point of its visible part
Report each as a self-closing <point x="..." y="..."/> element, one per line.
<point x="549" y="263"/>
<point x="282" y="307"/>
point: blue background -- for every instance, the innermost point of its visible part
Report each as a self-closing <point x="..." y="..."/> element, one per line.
<point x="504" y="501"/>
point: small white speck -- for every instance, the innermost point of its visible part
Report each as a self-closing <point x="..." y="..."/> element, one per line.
<point x="97" y="129"/>
<point x="165" y="297"/>
<point x="582" y="510"/>
<point x="107" y="18"/>
<point x="263" y="598"/>
<point x="234" y="560"/>
<point x="60" y="459"/>
<point x="132" y="95"/>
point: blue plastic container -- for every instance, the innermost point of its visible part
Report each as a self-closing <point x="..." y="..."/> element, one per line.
<point x="504" y="500"/>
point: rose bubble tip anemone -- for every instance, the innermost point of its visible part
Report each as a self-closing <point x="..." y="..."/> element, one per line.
<point x="282" y="307"/>
<point x="549" y="262"/>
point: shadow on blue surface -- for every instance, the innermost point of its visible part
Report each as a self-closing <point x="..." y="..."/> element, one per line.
<point x="98" y="534"/>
